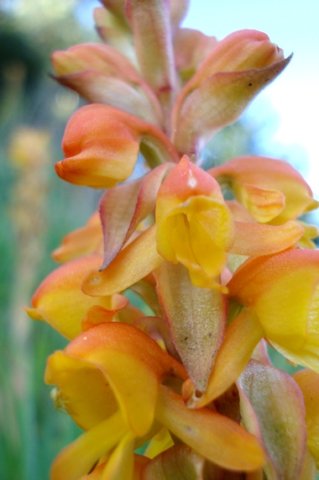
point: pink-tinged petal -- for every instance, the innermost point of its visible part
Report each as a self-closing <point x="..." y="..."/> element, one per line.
<point x="82" y="241"/>
<point x="196" y="318"/>
<point x="79" y="457"/>
<point x="268" y="239"/>
<point x="211" y="435"/>
<point x="123" y="207"/>
<point x="87" y="406"/>
<point x="194" y="225"/>
<point x="257" y="181"/>
<point x="278" y="405"/>
<point x="191" y="48"/>
<point x="178" y="10"/>
<point x="134" y="262"/>
<point x="121" y="462"/>
<point x="103" y="75"/>
<point x="179" y="462"/>
<point x="101" y="145"/>
<point x="60" y="301"/>
<point x="218" y="101"/>
<point x="113" y="30"/>
<point x="241" y="338"/>
<point x="153" y="44"/>
<point x="308" y="382"/>
<point x="133" y="368"/>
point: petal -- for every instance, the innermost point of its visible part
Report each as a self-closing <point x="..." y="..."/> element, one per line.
<point x="80" y="456"/>
<point x="241" y="338"/>
<point x="215" y="437"/>
<point x="60" y="301"/>
<point x="88" y="406"/>
<point x="134" y="262"/>
<point x="101" y="145"/>
<point x="288" y="313"/>
<point x="196" y="318"/>
<point x="217" y="102"/>
<point x="268" y="239"/>
<point x="153" y="43"/>
<point x="251" y="177"/>
<point x="159" y="443"/>
<point x="278" y="406"/>
<point x="132" y="363"/>
<point x="82" y="241"/>
<point x="121" y="462"/>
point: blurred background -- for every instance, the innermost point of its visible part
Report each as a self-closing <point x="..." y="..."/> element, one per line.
<point x="37" y="209"/>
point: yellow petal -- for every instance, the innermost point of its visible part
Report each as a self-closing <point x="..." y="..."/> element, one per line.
<point x="80" y="456"/>
<point x="241" y="338"/>
<point x="121" y="462"/>
<point x="215" y="437"/>
<point x="60" y="301"/>
<point x="132" y="264"/>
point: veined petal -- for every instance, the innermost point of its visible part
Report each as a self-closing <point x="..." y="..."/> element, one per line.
<point x="153" y="43"/>
<point x="134" y="262"/>
<point x="277" y="403"/>
<point x="60" y="301"/>
<point x="176" y="463"/>
<point x="241" y="338"/>
<point x="217" y="102"/>
<point x="101" y="145"/>
<point x="82" y="241"/>
<point x="308" y="382"/>
<point x="196" y="318"/>
<point x="215" y="437"/>
<point x="80" y="456"/>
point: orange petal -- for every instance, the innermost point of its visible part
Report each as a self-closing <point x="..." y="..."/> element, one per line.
<point x="60" y="301"/>
<point x="133" y="263"/>
<point x="268" y="239"/>
<point x="82" y="241"/>
<point x="211" y="435"/>
<point x="101" y="145"/>
<point x="271" y="286"/>
<point x="132" y="367"/>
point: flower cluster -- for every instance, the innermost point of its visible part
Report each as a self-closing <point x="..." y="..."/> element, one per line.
<point x="182" y="387"/>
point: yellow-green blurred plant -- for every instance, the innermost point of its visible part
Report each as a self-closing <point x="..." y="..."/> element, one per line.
<point x="184" y="387"/>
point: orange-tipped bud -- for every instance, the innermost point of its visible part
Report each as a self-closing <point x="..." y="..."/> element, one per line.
<point x="194" y="225"/>
<point x="101" y="146"/>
